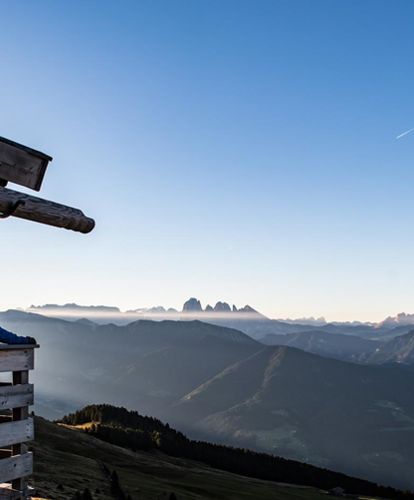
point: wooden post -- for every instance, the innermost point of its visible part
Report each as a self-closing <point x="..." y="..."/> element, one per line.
<point x="16" y="427"/>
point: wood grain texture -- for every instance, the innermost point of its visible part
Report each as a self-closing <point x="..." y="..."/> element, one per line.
<point x="19" y="431"/>
<point x="22" y="165"/>
<point x="45" y="212"/>
<point x="21" y="359"/>
<point x="16" y="396"/>
<point x="16" y="467"/>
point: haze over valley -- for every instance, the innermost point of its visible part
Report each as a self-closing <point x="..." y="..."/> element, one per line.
<point x="335" y="395"/>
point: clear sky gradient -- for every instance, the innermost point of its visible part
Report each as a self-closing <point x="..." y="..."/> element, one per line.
<point x="235" y="150"/>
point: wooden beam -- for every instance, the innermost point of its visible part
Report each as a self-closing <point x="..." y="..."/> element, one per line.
<point x="16" y="396"/>
<point x="20" y="359"/>
<point x="47" y="212"/>
<point x="18" y="431"/>
<point x="16" y="467"/>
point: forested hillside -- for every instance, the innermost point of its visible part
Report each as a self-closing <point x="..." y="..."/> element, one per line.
<point x="71" y="464"/>
<point x="136" y="432"/>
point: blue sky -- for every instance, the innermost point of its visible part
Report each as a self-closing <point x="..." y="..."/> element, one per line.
<point x="235" y="150"/>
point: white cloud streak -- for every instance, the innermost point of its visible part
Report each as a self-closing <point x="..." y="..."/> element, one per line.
<point x="404" y="133"/>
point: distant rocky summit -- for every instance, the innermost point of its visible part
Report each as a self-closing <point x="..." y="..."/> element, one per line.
<point x="222" y="307"/>
<point x="194" y="305"/>
<point x="247" y="309"/>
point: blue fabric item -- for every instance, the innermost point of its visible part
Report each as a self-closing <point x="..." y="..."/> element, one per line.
<point x="11" y="338"/>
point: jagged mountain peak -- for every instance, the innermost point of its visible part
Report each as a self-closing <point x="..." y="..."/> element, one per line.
<point x="222" y="307"/>
<point x="247" y="309"/>
<point x="192" y="305"/>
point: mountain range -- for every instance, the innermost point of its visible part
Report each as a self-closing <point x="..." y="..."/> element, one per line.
<point x="334" y="345"/>
<point x="246" y="319"/>
<point x="219" y="384"/>
<point x="398" y="350"/>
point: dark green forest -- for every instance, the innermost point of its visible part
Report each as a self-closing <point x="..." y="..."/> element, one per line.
<point x="131" y="430"/>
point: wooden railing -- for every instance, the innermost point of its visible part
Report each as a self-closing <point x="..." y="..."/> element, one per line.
<point x="16" y="427"/>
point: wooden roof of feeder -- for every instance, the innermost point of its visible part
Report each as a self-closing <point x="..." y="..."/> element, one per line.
<point x="27" y="167"/>
<point x="22" y="165"/>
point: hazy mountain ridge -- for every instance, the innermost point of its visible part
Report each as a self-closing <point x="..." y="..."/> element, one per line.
<point x="398" y="350"/>
<point x="153" y="365"/>
<point x="401" y="319"/>
<point x="75" y="307"/>
<point x="144" y="363"/>
<point x="245" y="319"/>
<point x="194" y="305"/>
<point x="334" y="345"/>
<point x="307" y="408"/>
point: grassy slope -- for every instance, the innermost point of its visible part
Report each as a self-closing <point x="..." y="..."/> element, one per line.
<point x="73" y="459"/>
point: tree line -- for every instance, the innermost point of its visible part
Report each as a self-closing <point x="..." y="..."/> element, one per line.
<point x="131" y="430"/>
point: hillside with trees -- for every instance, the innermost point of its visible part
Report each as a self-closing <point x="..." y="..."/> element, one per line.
<point x="75" y="465"/>
<point x="139" y="433"/>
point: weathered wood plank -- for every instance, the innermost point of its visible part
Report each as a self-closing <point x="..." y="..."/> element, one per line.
<point x="16" y="396"/>
<point x="22" y="165"/>
<point x="19" y="431"/>
<point x="17" y="347"/>
<point x="21" y="377"/>
<point x="44" y="211"/>
<point x="6" y="491"/>
<point x="13" y="361"/>
<point x="10" y="495"/>
<point x="16" y="467"/>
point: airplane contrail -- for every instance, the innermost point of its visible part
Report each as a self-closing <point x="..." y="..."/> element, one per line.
<point x="404" y="133"/>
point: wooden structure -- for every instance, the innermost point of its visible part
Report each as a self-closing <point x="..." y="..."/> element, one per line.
<point x="36" y="209"/>
<point x="22" y="165"/>
<point x="16" y="426"/>
<point x="26" y="167"/>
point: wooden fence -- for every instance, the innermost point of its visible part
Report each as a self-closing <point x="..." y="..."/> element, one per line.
<point x="16" y="426"/>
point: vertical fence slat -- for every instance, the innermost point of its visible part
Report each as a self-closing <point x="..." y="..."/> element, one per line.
<point x="20" y="377"/>
<point x="16" y="463"/>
